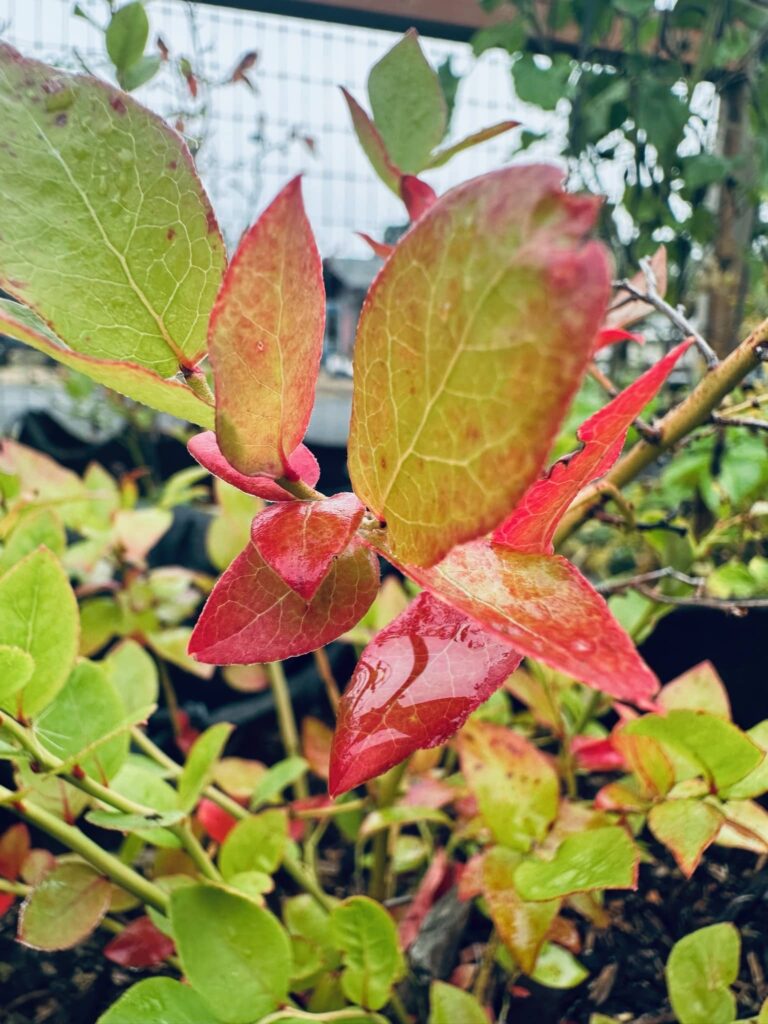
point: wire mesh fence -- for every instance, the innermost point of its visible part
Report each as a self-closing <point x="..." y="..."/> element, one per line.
<point x="294" y="120"/>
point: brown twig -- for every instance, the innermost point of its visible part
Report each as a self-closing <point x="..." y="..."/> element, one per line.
<point x="679" y="422"/>
<point x="749" y="422"/>
<point x="631" y="582"/>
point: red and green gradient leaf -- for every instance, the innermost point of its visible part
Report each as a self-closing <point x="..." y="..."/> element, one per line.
<point x="417" y="195"/>
<point x="415" y="684"/>
<point x="532" y="525"/>
<point x="253" y="616"/>
<point x="471" y="344"/>
<point x="204" y="448"/>
<point x="543" y="607"/>
<point x="687" y="828"/>
<point x="372" y="144"/>
<point x="265" y="339"/>
<point x="301" y="540"/>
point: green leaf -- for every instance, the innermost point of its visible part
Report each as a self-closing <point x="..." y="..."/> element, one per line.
<point x="201" y="761"/>
<point x="67" y="905"/>
<point x="133" y="673"/>
<point x="42" y="527"/>
<point x="161" y="1001"/>
<point x="235" y="954"/>
<point x="385" y="817"/>
<point x="171" y="645"/>
<point x="255" y="844"/>
<point x="134" y="822"/>
<point x="140" y="72"/>
<point x="686" y="827"/>
<point x="38" y="613"/>
<point x="276" y="779"/>
<point x="306" y="920"/>
<point x="128" y="379"/>
<point x="445" y="436"/>
<point x="16" y="669"/>
<point x="508" y="35"/>
<point x="700" y="970"/>
<point x="720" y="750"/>
<point x="557" y="968"/>
<point x="84" y="711"/>
<point x="755" y="783"/>
<point x="522" y="925"/>
<point x="230" y="530"/>
<point x="449" y="1005"/>
<point x="101" y="619"/>
<point x="134" y="265"/>
<point x="442" y="156"/>
<point x="138" y="781"/>
<point x="127" y="34"/>
<point x="600" y="858"/>
<point x="541" y="86"/>
<point x="698" y="689"/>
<point x="408" y="104"/>
<point x="372" y="144"/>
<point x="745" y="827"/>
<point x="516" y="786"/>
<point x="366" y="936"/>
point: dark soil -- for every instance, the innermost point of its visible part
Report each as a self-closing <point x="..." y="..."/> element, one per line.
<point x="72" y="987"/>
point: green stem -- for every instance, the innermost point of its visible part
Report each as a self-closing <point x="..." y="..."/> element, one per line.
<point x="483" y="978"/>
<point x="286" y="721"/>
<point x="307" y="881"/>
<point x="108" y="796"/>
<point x="75" y="840"/>
<point x="399" y="1010"/>
<point x="389" y="784"/>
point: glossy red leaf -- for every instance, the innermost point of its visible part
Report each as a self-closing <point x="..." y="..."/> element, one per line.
<point x="140" y="944"/>
<point x="543" y="606"/>
<point x="216" y="822"/>
<point x="253" y="616"/>
<point x="445" y="435"/>
<point x="265" y="339"/>
<point x="415" y="684"/>
<point x="380" y="249"/>
<point x="611" y="335"/>
<point x="417" y="195"/>
<point x="14" y="848"/>
<point x="204" y="448"/>
<point x="532" y="525"/>
<point x="300" y="541"/>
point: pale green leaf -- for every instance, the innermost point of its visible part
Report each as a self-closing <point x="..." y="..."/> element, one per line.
<point x="200" y="764"/>
<point x="557" y="968"/>
<point x="65" y="907"/>
<point x="366" y="937"/>
<point x="36" y="528"/>
<point x="686" y="827"/>
<point x="451" y="1005"/>
<point x="599" y="858"/>
<point x="133" y="673"/>
<point x="235" y="954"/>
<point x="256" y="843"/>
<point x="126" y="34"/>
<point x="16" y="669"/>
<point x="159" y="1001"/>
<point x="38" y="613"/>
<point x="129" y="379"/>
<point x="700" y="970"/>
<point x="408" y="104"/>
<point x="133" y="267"/>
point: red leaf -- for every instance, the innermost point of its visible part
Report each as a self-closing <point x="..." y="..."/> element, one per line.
<point x="300" y="541"/>
<point x="596" y="755"/>
<point x="265" y="339"/>
<point x="417" y="195"/>
<point x="216" y="822"/>
<point x="416" y="683"/>
<point x="204" y="448"/>
<point x="14" y="847"/>
<point x="253" y="616"/>
<point x="430" y="887"/>
<point x="611" y="335"/>
<point x="544" y="607"/>
<point x="532" y="525"/>
<point x="140" y="944"/>
<point x="245" y="63"/>
<point x="381" y="249"/>
<point x="6" y="902"/>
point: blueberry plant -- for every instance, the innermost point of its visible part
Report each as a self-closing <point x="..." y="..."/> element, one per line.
<point x="473" y="341"/>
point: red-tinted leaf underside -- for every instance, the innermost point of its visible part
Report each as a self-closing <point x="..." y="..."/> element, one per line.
<point x="253" y="616"/>
<point x="543" y="607"/>
<point x="612" y="335"/>
<point x="416" y="683"/>
<point x="300" y="541"/>
<point x="532" y="525"/>
<point x="140" y="944"/>
<point x="266" y="337"/>
<point x="417" y="195"/>
<point x="204" y="449"/>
